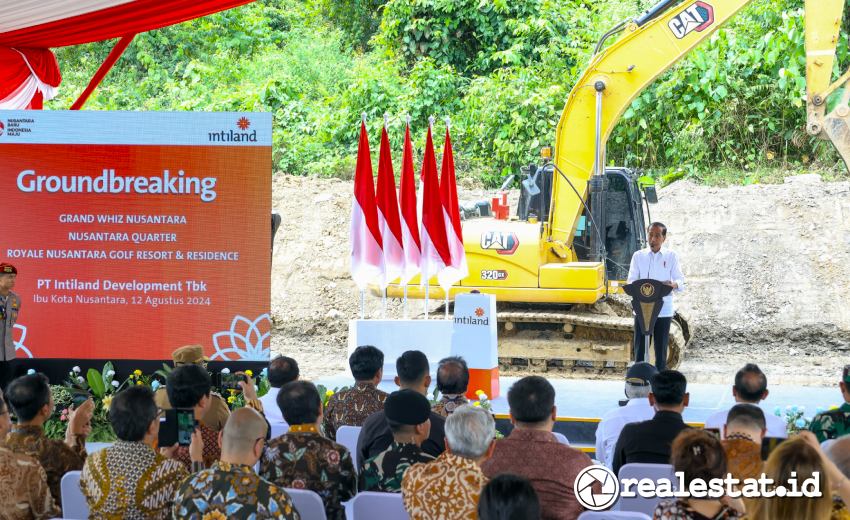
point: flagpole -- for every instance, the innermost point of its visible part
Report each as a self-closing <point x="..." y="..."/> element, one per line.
<point x="448" y="122"/>
<point x="404" y="304"/>
<point x="362" y="304"/>
<point x="428" y="280"/>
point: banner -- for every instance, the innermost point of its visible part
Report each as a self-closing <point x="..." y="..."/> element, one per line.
<point x="136" y="233"/>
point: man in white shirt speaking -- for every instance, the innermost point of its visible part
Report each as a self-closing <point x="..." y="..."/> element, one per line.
<point x="659" y="264"/>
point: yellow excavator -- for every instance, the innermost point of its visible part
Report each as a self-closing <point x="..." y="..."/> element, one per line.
<point x="557" y="267"/>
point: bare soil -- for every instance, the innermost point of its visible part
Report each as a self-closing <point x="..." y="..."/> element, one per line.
<point x="767" y="275"/>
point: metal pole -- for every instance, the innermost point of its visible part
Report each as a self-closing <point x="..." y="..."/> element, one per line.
<point x="362" y="304"/>
<point x="404" y="303"/>
<point x="447" y="305"/>
<point x="646" y="349"/>
<point x="384" y="304"/>
<point x="426" y="298"/>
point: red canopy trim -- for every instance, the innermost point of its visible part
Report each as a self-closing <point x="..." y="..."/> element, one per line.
<point x="113" y="22"/>
<point x="29" y="73"/>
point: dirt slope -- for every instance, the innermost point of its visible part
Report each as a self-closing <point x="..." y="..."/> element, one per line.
<point x="767" y="267"/>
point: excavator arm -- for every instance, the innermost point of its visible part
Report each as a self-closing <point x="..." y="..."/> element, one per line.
<point x="650" y="45"/>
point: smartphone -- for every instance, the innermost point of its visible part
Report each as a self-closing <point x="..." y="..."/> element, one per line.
<point x="78" y="399"/>
<point x="714" y="432"/>
<point x="768" y="444"/>
<point x="231" y="382"/>
<point x="185" y="426"/>
<point x="176" y="427"/>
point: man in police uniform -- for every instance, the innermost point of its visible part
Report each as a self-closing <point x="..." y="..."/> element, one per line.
<point x="10" y="304"/>
<point x="835" y="423"/>
<point x="218" y="412"/>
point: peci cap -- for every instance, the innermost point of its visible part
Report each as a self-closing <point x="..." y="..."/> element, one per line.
<point x="407" y="407"/>
<point x="189" y="355"/>
<point x="640" y="374"/>
<point x="8" y="269"/>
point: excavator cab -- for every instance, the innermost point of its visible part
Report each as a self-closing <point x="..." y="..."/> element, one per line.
<point x="624" y="220"/>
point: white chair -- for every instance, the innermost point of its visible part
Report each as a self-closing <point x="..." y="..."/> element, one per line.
<point x="308" y="503"/>
<point x="613" y="515"/>
<point x="370" y="505"/>
<point x="561" y="438"/>
<point x="73" y="502"/>
<point x="347" y="436"/>
<point x="640" y="471"/>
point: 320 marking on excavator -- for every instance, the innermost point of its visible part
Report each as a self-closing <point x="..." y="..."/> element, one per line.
<point x="695" y="18"/>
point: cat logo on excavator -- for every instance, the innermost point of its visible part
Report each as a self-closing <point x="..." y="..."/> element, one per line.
<point x="695" y="18"/>
<point x="505" y="243"/>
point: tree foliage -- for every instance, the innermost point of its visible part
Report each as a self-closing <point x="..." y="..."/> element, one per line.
<point x="501" y="70"/>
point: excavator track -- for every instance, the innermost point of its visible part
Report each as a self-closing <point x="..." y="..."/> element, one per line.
<point x="577" y="340"/>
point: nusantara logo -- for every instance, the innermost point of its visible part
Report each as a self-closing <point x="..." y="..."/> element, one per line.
<point x="696" y="17"/>
<point x="232" y="136"/>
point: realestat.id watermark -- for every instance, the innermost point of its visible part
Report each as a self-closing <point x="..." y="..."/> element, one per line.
<point x="597" y="488"/>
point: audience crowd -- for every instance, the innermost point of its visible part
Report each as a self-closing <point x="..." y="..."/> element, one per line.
<point x="442" y="457"/>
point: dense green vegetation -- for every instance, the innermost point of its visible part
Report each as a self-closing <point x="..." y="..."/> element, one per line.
<point x="733" y="110"/>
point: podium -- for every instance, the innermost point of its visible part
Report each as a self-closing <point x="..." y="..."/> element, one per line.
<point x="647" y="299"/>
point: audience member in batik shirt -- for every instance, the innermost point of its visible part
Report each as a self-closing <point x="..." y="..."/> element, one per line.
<point x="743" y="432"/>
<point x="452" y="382"/>
<point x="129" y="479"/>
<point x="24" y="494"/>
<point x="408" y="414"/>
<point x="449" y="487"/>
<point x="32" y="402"/>
<point x="303" y="458"/>
<point x="531" y="451"/>
<point x="350" y="407"/>
<point x="231" y="488"/>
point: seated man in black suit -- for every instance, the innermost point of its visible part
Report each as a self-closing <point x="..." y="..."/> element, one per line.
<point x="649" y="441"/>
<point x="376" y="436"/>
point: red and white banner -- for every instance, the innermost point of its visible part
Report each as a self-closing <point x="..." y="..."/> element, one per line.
<point x="366" y="249"/>
<point x="29" y="74"/>
<point x="457" y="269"/>
<point x="388" y="215"/>
<point x="436" y="254"/>
<point x="409" y="219"/>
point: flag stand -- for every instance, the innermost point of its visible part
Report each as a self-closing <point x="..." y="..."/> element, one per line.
<point x="426" y="298"/>
<point x="447" y="305"/>
<point x="362" y="304"/>
<point x="384" y="304"/>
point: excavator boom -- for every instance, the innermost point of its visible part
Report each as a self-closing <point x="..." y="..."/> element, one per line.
<point x="552" y="277"/>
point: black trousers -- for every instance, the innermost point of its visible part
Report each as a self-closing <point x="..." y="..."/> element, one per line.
<point x="659" y="339"/>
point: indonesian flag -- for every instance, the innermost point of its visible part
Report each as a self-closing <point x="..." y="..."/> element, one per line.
<point x="435" y="246"/>
<point x="366" y="254"/>
<point x="456" y="269"/>
<point x="388" y="216"/>
<point x="409" y="220"/>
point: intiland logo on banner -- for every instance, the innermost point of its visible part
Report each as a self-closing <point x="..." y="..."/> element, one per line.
<point x="478" y="319"/>
<point x="232" y="136"/>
